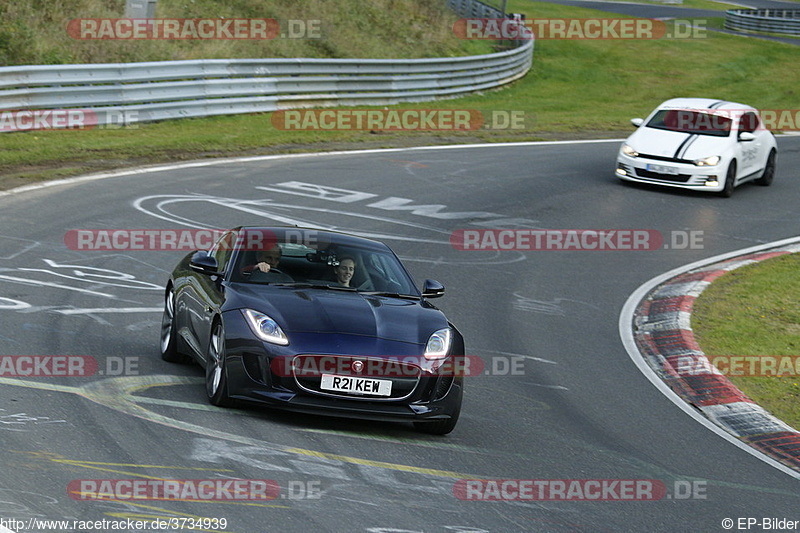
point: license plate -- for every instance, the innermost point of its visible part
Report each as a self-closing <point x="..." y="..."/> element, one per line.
<point x="661" y="169"/>
<point x="356" y="385"/>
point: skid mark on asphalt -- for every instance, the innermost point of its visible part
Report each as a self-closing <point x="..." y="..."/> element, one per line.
<point x="553" y="307"/>
<point x="413" y="442"/>
<point x="525" y="356"/>
<point x="22" y="421"/>
<point x="394" y="440"/>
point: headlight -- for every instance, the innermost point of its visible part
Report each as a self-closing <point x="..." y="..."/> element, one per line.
<point x="438" y="344"/>
<point x="707" y="161"/>
<point x="630" y="152"/>
<point x="265" y="327"/>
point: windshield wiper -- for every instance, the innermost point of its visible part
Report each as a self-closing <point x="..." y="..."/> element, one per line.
<point x="306" y="285"/>
<point x="392" y="295"/>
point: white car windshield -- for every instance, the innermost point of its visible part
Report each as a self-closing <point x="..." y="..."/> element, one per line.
<point x="691" y="121"/>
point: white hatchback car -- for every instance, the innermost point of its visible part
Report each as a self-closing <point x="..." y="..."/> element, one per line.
<point x="700" y="144"/>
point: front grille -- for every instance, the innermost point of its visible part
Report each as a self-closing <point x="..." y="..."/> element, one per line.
<point x="307" y="371"/>
<point x="680" y="178"/>
<point x="666" y="158"/>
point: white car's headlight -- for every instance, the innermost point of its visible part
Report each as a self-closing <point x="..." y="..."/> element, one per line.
<point x="438" y="344"/>
<point x="630" y="152"/>
<point x="707" y="161"/>
<point x="265" y="327"/>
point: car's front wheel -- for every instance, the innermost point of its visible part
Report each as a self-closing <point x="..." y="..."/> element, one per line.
<point x="769" y="171"/>
<point x="169" y="333"/>
<point x="439" y="427"/>
<point x="730" y="181"/>
<point x="216" y="378"/>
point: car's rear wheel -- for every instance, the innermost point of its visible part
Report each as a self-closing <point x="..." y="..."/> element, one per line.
<point x="730" y="181"/>
<point x="216" y="378"/>
<point x="769" y="171"/>
<point x="169" y="332"/>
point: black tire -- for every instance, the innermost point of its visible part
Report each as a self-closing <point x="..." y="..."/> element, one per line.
<point x="769" y="171"/>
<point x="169" y="333"/>
<point x="216" y="375"/>
<point x="730" y="178"/>
<point x="439" y="427"/>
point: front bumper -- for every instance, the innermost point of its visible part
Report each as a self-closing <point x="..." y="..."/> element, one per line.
<point x="256" y="373"/>
<point x="682" y="175"/>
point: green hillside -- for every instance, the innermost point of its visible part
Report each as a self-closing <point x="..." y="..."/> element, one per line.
<point x="35" y="31"/>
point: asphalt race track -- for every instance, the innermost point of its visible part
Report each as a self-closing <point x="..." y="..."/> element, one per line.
<point x="561" y="400"/>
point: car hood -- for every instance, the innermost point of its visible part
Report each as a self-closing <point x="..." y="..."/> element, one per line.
<point x="342" y="312"/>
<point x="677" y="145"/>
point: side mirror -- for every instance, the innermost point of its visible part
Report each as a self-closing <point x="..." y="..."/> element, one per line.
<point x="746" y="136"/>
<point x="204" y="263"/>
<point x="637" y="121"/>
<point x="432" y="289"/>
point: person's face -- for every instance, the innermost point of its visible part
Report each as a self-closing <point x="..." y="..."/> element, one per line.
<point x="344" y="272"/>
<point x="271" y="257"/>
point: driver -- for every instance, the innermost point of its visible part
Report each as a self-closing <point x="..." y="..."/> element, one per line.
<point x="266" y="260"/>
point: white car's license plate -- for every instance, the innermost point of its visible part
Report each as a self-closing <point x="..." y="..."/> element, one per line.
<point x="661" y="169"/>
<point x="356" y="385"/>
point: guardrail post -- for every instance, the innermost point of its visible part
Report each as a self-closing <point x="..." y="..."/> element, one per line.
<point x="140" y="9"/>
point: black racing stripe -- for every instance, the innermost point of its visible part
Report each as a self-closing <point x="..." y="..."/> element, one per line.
<point x="687" y="144"/>
<point x="680" y="148"/>
<point x="684" y="146"/>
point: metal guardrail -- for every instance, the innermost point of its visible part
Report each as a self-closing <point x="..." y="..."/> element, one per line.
<point x="124" y="93"/>
<point x="764" y="20"/>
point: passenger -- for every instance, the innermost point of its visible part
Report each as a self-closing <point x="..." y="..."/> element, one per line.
<point x="344" y="270"/>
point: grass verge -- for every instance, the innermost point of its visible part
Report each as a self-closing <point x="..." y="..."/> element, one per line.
<point x="753" y="311"/>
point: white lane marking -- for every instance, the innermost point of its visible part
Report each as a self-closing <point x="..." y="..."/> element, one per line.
<point x="626" y="334"/>
<point x="10" y="303"/>
<point x="257" y="207"/>
<point x="31" y="246"/>
<point x="251" y="207"/>
<point x="25" y="281"/>
<point x="197" y="164"/>
<point x="92" y="278"/>
<point x="241" y="205"/>
<point x="93" y="310"/>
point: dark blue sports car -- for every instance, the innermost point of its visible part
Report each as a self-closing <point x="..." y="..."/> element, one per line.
<point x="315" y="321"/>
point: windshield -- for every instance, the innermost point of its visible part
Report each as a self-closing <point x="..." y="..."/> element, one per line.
<point x="691" y="121"/>
<point x="307" y="258"/>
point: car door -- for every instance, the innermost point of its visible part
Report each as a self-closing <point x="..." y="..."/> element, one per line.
<point x="750" y="160"/>
<point x="205" y="296"/>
